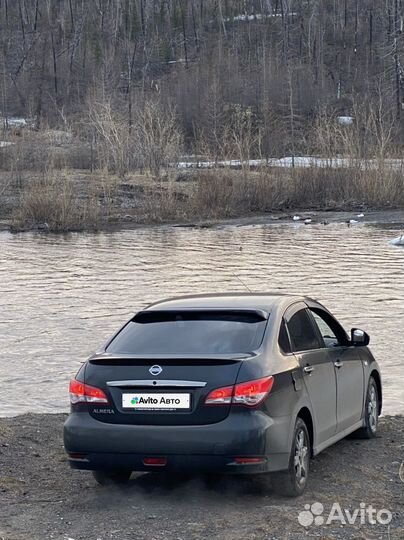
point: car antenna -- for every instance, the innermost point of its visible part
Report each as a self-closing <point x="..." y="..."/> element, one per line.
<point x="242" y="282"/>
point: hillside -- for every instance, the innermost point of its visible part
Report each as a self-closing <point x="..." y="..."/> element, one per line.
<point x="267" y="67"/>
<point x="123" y="87"/>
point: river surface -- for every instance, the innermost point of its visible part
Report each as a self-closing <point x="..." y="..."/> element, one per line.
<point x="62" y="296"/>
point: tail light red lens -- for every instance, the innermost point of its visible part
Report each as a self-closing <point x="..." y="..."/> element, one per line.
<point x="155" y="461"/>
<point x="248" y="460"/>
<point x="250" y="393"/>
<point x="84" y="393"/>
<point x="220" y="396"/>
<point x="77" y="455"/>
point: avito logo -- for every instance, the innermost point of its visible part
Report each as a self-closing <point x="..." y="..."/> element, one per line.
<point x="164" y="400"/>
<point x="144" y="401"/>
<point x="314" y="514"/>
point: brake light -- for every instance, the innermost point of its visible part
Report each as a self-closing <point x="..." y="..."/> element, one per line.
<point x="220" y="396"/>
<point x="249" y="393"/>
<point x="252" y="392"/>
<point x="84" y="393"/>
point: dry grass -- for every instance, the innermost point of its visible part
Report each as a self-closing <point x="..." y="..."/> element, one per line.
<point x="52" y="204"/>
<point x="42" y="188"/>
<point x="61" y="201"/>
<point x="346" y="187"/>
<point x="220" y="194"/>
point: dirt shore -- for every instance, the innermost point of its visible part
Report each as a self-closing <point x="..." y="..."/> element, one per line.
<point x="41" y="498"/>
<point x="78" y="200"/>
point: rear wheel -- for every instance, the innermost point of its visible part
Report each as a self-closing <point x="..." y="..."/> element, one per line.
<point x="292" y="482"/>
<point x="371" y="412"/>
<point x="109" y="478"/>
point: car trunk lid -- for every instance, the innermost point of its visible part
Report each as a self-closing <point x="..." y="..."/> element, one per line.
<point x="173" y="393"/>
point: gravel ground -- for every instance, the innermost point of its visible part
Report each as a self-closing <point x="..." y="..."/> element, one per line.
<point x="40" y="497"/>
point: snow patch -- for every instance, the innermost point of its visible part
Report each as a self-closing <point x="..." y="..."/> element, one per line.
<point x="296" y="161"/>
<point x="345" y="120"/>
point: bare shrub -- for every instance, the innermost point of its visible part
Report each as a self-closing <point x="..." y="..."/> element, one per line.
<point x="381" y="187"/>
<point x="153" y="141"/>
<point x="79" y="156"/>
<point x="325" y="187"/>
<point x="242" y="132"/>
<point x="5" y="194"/>
<point x="112" y="137"/>
<point x="163" y="201"/>
<point x="214" y="194"/>
<point x="50" y="202"/>
<point x="157" y="139"/>
<point x="32" y="153"/>
<point x="326" y="134"/>
<point x="5" y="183"/>
<point x="221" y="194"/>
<point x="236" y="138"/>
<point x="230" y="193"/>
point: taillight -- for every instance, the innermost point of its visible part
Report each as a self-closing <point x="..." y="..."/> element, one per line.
<point x="248" y="460"/>
<point x="84" y="393"/>
<point x="155" y="461"/>
<point x="252" y="392"/>
<point x="220" y="396"/>
<point x="249" y="393"/>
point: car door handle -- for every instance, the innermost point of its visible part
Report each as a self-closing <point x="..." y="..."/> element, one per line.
<point x="338" y="364"/>
<point x="308" y="369"/>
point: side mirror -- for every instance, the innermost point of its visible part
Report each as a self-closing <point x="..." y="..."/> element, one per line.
<point x="359" y="338"/>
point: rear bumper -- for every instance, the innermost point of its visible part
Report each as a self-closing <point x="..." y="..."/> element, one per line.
<point x="177" y="463"/>
<point x="188" y="448"/>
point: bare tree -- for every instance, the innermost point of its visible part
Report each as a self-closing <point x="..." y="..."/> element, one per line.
<point x="157" y="136"/>
<point x="112" y="135"/>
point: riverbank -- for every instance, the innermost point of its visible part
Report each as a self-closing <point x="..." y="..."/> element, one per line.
<point x="41" y="498"/>
<point x="61" y="201"/>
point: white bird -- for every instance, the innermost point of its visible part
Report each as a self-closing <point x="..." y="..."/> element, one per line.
<point x="360" y="215"/>
<point x="296" y="218"/>
<point x="307" y="221"/>
<point x="353" y="221"/>
<point x="399" y="241"/>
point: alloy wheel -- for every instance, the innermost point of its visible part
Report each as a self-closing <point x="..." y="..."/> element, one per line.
<point x="372" y="409"/>
<point x="301" y="457"/>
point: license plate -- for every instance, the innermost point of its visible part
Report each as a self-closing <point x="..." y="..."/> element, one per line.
<point x="156" y="402"/>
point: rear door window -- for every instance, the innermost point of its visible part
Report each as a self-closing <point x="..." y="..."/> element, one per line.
<point x="303" y="334"/>
<point x="191" y="332"/>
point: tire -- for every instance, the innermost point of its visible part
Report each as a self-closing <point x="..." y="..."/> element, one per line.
<point x="110" y="478"/>
<point x="293" y="481"/>
<point x="369" y="431"/>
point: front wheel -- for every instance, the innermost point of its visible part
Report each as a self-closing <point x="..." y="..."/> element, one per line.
<point x="109" y="478"/>
<point x="293" y="481"/>
<point x="371" y="416"/>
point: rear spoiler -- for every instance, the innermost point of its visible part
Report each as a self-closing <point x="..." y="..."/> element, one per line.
<point x="148" y="315"/>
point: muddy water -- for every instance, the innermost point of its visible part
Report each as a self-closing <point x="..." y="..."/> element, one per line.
<point x="61" y="296"/>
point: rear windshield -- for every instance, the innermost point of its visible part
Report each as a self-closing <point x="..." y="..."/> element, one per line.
<point x="192" y="332"/>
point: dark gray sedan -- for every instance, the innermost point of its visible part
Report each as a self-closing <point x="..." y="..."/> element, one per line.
<point x="236" y="383"/>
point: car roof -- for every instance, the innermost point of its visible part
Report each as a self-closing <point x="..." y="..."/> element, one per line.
<point x="231" y="300"/>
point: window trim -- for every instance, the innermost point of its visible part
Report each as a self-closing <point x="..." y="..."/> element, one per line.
<point x="283" y="321"/>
